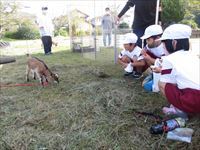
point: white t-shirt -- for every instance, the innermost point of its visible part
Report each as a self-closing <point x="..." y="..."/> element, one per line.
<point x="156" y="76"/>
<point x="135" y="53"/>
<point x="181" y="68"/>
<point x="158" y="52"/>
<point x="45" y="22"/>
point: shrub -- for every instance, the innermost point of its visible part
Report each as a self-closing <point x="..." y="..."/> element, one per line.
<point x="191" y="23"/>
<point x="62" y="32"/>
<point x="23" y="32"/>
<point x="197" y="19"/>
<point x="123" y="25"/>
<point x="98" y="30"/>
<point x="10" y="34"/>
<point x="26" y="32"/>
<point x="173" y="11"/>
<point x="80" y="33"/>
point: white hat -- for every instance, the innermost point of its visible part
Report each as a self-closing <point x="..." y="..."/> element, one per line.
<point x="176" y="31"/>
<point x="152" y="30"/>
<point x="130" y="38"/>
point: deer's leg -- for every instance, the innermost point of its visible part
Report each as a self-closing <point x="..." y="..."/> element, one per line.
<point x="34" y="75"/>
<point x="27" y="73"/>
<point x="42" y="80"/>
<point x="40" y="77"/>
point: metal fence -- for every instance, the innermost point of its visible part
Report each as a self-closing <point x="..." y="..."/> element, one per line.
<point x="92" y="46"/>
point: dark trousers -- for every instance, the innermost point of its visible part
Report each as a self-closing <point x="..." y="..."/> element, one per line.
<point x="139" y="33"/>
<point x="47" y="43"/>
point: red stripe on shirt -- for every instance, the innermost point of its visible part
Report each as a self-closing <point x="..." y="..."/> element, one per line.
<point x="166" y="71"/>
<point x="152" y="55"/>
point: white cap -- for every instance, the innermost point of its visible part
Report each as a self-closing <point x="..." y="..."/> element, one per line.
<point x="152" y="30"/>
<point x="176" y="31"/>
<point x="130" y="38"/>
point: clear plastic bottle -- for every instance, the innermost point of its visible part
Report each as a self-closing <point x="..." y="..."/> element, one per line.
<point x="167" y="125"/>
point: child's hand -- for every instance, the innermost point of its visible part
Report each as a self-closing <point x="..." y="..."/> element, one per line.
<point x="124" y="65"/>
<point x="146" y="56"/>
<point x="143" y="52"/>
<point x="155" y="69"/>
<point x="134" y="58"/>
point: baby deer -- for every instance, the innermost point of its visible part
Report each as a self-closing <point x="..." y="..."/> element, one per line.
<point x="40" y="69"/>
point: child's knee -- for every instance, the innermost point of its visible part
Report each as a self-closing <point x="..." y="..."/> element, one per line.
<point x="161" y="86"/>
<point x="126" y="59"/>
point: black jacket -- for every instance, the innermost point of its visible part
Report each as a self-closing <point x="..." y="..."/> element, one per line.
<point x="145" y="12"/>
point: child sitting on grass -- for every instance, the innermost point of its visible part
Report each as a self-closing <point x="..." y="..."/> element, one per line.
<point x="132" y="55"/>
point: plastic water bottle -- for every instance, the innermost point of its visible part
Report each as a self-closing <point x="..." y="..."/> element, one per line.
<point x="167" y="125"/>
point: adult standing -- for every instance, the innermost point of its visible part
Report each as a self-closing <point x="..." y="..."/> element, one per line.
<point x="107" y="26"/>
<point x="46" y="30"/>
<point x="144" y="15"/>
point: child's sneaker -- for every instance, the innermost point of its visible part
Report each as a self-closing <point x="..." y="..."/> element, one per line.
<point x="174" y="111"/>
<point x="137" y="75"/>
<point x="168" y="111"/>
<point x="128" y="73"/>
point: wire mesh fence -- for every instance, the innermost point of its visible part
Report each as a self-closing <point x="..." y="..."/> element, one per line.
<point x="92" y="47"/>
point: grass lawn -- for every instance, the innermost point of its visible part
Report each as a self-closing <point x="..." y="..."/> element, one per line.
<point x="93" y="107"/>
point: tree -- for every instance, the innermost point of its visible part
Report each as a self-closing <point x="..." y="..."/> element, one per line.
<point x="7" y="19"/>
<point x="77" y="21"/>
<point x="194" y="9"/>
<point x="197" y="19"/>
<point x="189" y="19"/>
<point x="15" y="24"/>
<point x="183" y="11"/>
<point x="61" y="25"/>
<point x="173" y="11"/>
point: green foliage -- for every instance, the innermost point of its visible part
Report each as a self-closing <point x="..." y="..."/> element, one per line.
<point x="15" y="24"/>
<point x="197" y="19"/>
<point x="191" y="23"/>
<point x="61" y="31"/>
<point x="183" y="11"/>
<point x="189" y="19"/>
<point x="7" y="16"/>
<point x="9" y="34"/>
<point x="123" y="25"/>
<point x="61" y="25"/>
<point x="24" y="32"/>
<point x="80" y="33"/>
<point x="173" y="11"/>
<point x="98" y="30"/>
<point x="77" y="21"/>
<point x="194" y="9"/>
